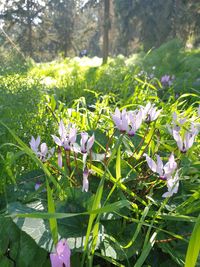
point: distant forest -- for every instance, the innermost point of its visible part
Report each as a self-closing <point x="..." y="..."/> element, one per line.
<point x="46" y="29"/>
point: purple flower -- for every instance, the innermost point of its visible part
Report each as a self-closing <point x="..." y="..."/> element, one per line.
<point x="121" y="120"/>
<point x="164" y="171"/>
<point x="186" y="140"/>
<point x="34" y="143"/>
<point x="86" y="142"/>
<point x="150" y="113"/>
<point x="67" y="136"/>
<point x="177" y="122"/>
<point x="85" y="186"/>
<point x="44" y="153"/>
<point x="172" y="185"/>
<point x="127" y="121"/>
<point x="62" y="255"/>
<point x="134" y="121"/>
<point x="37" y="185"/>
<point x="166" y="80"/>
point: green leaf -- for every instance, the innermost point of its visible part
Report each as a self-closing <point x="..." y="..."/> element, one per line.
<point x="146" y="250"/>
<point x="51" y="209"/>
<point x="194" y="246"/>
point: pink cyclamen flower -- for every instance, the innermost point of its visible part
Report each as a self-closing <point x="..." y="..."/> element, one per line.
<point x="44" y="153"/>
<point x="62" y="255"/>
<point x="34" y="143"/>
<point x="127" y="121"/>
<point x="164" y="171"/>
<point x="121" y="120"/>
<point x="85" y="186"/>
<point x="172" y="185"/>
<point x="176" y="123"/>
<point x="185" y="141"/>
<point x="167" y="80"/>
<point x="67" y="136"/>
<point x="37" y="186"/>
<point x="134" y="121"/>
<point x="150" y="113"/>
<point x="86" y="142"/>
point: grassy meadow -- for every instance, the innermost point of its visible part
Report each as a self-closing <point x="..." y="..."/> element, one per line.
<point x="105" y="194"/>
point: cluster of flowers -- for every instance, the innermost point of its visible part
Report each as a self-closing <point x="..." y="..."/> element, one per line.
<point x="130" y="121"/>
<point x="165" y="172"/>
<point x="184" y="137"/>
<point x="126" y="122"/>
<point x="67" y="141"/>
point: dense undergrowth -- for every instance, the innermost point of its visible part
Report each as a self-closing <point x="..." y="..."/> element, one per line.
<point x="122" y="219"/>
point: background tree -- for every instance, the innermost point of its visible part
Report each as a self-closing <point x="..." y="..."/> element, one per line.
<point x="106" y="30"/>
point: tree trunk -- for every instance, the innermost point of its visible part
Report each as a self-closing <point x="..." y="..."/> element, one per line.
<point x="106" y="30"/>
<point x="29" y="25"/>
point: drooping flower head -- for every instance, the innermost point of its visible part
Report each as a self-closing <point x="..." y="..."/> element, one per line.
<point x="37" y="185"/>
<point x="186" y="140"/>
<point x="150" y="112"/>
<point x="167" y="80"/>
<point x="67" y="136"/>
<point x="172" y="185"/>
<point x="44" y="153"/>
<point x="61" y="257"/>
<point x="134" y="121"/>
<point x="164" y="171"/>
<point x="177" y="122"/>
<point x="127" y="121"/>
<point x="34" y="143"/>
<point x="86" y="142"/>
<point x="121" y="120"/>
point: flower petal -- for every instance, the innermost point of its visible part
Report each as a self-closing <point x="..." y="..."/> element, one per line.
<point x="57" y="140"/>
<point x="151" y="163"/>
<point x="90" y="143"/>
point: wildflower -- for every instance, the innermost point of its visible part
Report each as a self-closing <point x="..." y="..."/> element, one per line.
<point x="34" y="143"/>
<point x="150" y="113"/>
<point x="186" y="141"/>
<point x="37" y="186"/>
<point x="67" y="137"/>
<point x="176" y="122"/>
<point x="198" y="111"/>
<point x="166" y="80"/>
<point x="86" y="144"/>
<point x="62" y="255"/>
<point x="44" y="153"/>
<point x="120" y="119"/>
<point x="127" y="121"/>
<point x="85" y="186"/>
<point x="134" y="122"/>
<point x="164" y="171"/>
<point x="172" y="185"/>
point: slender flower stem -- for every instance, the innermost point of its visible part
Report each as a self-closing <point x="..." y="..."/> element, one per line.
<point x="67" y="154"/>
<point x="141" y="142"/>
<point x="145" y="147"/>
<point x="75" y="160"/>
<point x="107" y="146"/>
<point x="53" y="114"/>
